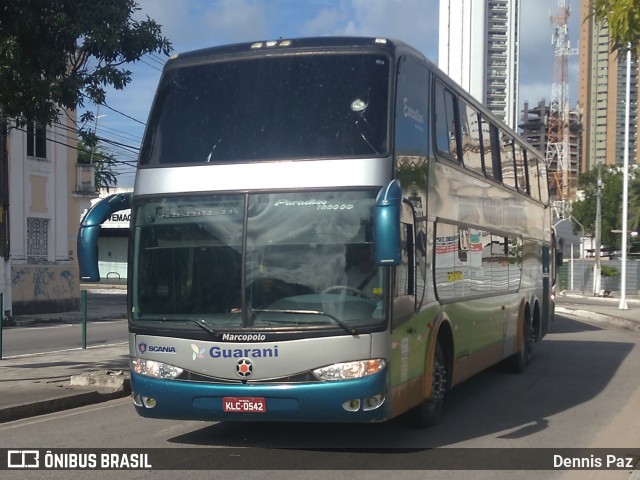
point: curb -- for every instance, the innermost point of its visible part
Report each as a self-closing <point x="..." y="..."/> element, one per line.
<point x="75" y="399"/>
<point x="599" y="317"/>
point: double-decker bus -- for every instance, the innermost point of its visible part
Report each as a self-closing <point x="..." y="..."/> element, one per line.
<point x="325" y="230"/>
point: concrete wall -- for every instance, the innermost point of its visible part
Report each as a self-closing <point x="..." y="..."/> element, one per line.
<point x="42" y="289"/>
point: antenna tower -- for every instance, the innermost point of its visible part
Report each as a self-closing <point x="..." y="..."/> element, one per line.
<point x="558" y="154"/>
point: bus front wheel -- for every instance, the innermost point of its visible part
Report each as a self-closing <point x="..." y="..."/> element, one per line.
<point x="429" y="412"/>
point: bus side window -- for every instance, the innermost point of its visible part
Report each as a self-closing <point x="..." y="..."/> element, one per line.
<point x="470" y="126"/>
<point x="508" y="165"/>
<point x="412" y="107"/>
<point x="445" y="259"/>
<point x="521" y="172"/>
<point x="534" y="176"/>
<point x="500" y="263"/>
<point x="544" y="181"/>
<point x="491" y="150"/>
<point x="446" y="139"/>
<point x="515" y="263"/>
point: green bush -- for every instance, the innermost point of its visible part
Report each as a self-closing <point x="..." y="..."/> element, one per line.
<point x="607" y="271"/>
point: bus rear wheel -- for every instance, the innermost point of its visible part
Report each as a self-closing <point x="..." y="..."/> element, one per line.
<point x="429" y="412"/>
<point x="519" y="361"/>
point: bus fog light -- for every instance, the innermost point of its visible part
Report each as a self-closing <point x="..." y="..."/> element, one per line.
<point x="149" y="402"/>
<point x="373" y="402"/>
<point x="351" y="405"/>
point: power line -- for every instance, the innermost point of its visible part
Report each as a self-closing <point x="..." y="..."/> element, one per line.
<point x="121" y="134"/>
<point x="124" y="114"/>
<point x="53" y="140"/>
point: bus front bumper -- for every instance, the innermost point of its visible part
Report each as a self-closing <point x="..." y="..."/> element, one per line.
<point x="336" y="401"/>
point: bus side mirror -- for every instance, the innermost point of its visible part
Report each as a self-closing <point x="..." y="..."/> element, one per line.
<point x="386" y="225"/>
<point x="90" y="230"/>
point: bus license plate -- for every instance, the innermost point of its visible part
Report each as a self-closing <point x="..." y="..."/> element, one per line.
<point x="244" y="404"/>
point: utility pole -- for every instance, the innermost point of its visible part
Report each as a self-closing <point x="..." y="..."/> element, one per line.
<point x="596" y="266"/>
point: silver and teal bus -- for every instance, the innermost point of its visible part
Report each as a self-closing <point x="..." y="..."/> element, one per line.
<point x="325" y="230"/>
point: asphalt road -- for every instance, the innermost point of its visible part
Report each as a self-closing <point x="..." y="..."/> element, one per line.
<point x="61" y="336"/>
<point x="59" y="332"/>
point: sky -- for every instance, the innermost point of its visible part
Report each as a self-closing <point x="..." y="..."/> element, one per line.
<point x="194" y="24"/>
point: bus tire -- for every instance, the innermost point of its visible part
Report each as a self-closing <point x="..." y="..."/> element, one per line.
<point x="518" y="362"/>
<point x="429" y="412"/>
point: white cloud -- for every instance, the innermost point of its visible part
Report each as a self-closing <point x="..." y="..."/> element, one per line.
<point x="414" y="22"/>
<point x="235" y="20"/>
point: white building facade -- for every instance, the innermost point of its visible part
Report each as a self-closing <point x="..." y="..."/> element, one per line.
<point x="42" y="195"/>
<point x="478" y="48"/>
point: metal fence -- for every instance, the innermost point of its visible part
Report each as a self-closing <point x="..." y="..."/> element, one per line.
<point x="577" y="275"/>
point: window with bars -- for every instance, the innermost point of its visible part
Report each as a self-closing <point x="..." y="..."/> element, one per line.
<point x="37" y="238"/>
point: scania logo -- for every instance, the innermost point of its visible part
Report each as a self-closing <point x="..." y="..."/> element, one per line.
<point x="143" y="347"/>
<point x="244" y="367"/>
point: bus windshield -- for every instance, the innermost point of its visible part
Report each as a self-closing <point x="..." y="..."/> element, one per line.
<point x="273" y="107"/>
<point x="278" y="260"/>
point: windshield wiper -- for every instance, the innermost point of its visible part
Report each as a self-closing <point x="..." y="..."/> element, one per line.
<point x="344" y="326"/>
<point x="203" y="326"/>
<point x="199" y="323"/>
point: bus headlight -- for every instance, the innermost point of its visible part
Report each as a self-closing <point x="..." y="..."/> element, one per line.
<point x="349" y="370"/>
<point x="152" y="368"/>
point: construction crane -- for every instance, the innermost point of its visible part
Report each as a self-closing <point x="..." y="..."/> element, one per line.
<point x="558" y="154"/>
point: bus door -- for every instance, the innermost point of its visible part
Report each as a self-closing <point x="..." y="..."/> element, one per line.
<point x="404" y="284"/>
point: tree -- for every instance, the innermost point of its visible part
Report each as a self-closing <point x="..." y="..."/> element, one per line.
<point x="611" y="203"/>
<point x="57" y="54"/>
<point x="634" y="201"/>
<point x="623" y="19"/>
<point x="103" y="162"/>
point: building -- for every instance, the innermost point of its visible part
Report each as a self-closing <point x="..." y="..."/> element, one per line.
<point x="602" y="91"/>
<point x="534" y="128"/>
<point x="478" y="48"/>
<point x="42" y="191"/>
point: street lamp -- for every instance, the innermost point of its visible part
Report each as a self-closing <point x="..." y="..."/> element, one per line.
<point x="625" y="185"/>
<point x="633" y="235"/>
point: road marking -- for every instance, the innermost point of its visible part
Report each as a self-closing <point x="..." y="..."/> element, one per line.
<point x="58" y="325"/>
<point x="24" y="355"/>
<point x="116" y="402"/>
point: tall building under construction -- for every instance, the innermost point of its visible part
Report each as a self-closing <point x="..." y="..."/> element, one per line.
<point x="534" y="128"/>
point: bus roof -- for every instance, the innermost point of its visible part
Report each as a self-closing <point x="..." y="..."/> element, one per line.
<point x="261" y="47"/>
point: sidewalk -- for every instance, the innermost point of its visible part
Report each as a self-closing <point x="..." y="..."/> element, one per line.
<point x="601" y="309"/>
<point x="45" y="383"/>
